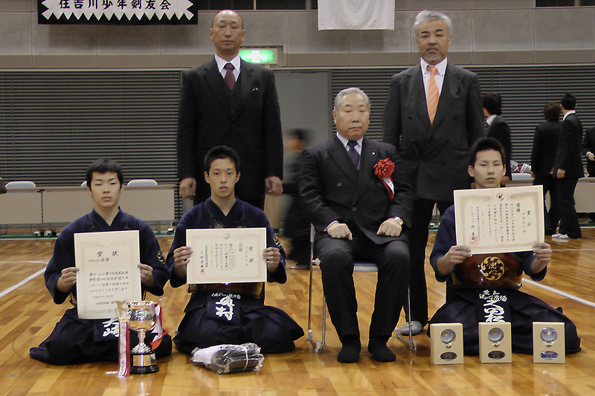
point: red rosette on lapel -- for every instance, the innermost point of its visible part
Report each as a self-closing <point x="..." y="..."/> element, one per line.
<point x="384" y="170"/>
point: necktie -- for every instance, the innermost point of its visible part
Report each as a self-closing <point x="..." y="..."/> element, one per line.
<point x="229" y="78"/>
<point x="353" y="152"/>
<point x="433" y="95"/>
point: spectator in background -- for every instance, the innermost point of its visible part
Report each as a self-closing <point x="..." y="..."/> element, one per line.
<point x="568" y="167"/>
<point x="543" y="155"/>
<point x="498" y="128"/>
<point x="588" y="151"/>
<point x="297" y="226"/>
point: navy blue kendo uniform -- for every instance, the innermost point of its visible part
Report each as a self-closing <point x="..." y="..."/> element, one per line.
<point x="484" y="288"/>
<point x="251" y="321"/>
<point x="75" y="340"/>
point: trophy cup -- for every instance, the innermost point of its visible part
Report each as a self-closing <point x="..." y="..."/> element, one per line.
<point x="142" y="318"/>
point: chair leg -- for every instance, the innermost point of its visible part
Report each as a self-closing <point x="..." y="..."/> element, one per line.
<point x="317" y="345"/>
<point x="410" y="343"/>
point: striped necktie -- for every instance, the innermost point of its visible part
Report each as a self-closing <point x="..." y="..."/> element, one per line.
<point x="433" y="95"/>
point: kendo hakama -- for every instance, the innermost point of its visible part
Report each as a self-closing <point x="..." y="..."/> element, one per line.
<point x="75" y="340"/>
<point x="484" y="288"/>
<point x="233" y="313"/>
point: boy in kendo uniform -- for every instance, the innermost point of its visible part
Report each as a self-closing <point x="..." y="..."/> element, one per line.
<point x="484" y="287"/>
<point x="75" y="340"/>
<point x="246" y="319"/>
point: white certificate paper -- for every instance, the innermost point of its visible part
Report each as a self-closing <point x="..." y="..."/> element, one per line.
<point x="500" y="220"/>
<point x="108" y="272"/>
<point x="226" y="255"/>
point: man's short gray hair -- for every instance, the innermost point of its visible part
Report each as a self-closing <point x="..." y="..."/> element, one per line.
<point x="427" y="15"/>
<point x="350" y="91"/>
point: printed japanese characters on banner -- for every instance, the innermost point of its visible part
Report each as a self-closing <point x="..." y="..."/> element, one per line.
<point x="118" y="12"/>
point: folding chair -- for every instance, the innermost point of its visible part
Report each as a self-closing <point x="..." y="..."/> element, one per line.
<point x="150" y="183"/>
<point x="358" y="266"/>
<point x="142" y="182"/>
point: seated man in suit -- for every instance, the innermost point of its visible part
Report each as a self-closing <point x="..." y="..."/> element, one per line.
<point x="353" y="190"/>
<point x="469" y="291"/>
<point x="250" y="320"/>
<point x="75" y="340"/>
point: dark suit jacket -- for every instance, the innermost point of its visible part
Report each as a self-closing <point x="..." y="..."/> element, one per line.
<point x="500" y="131"/>
<point x="435" y="155"/>
<point x="251" y="125"/>
<point x="589" y="145"/>
<point x="331" y="188"/>
<point x="545" y="146"/>
<point x="569" y="156"/>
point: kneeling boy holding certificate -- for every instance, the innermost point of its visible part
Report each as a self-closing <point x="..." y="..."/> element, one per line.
<point x="233" y="311"/>
<point x="88" y="334"/>
<point x="484" y="287"/>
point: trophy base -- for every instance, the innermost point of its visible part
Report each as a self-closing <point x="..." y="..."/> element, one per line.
<point x="144" y="364"/>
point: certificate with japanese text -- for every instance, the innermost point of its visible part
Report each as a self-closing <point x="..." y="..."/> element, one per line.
<point x="108" y="272"/>
<point x="500" y="220"/>
<point x="226" y="255"/>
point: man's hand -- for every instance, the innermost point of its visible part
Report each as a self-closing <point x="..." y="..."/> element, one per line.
<point x="590" y="156"/>
<point x="272" y="256"/>
<point x="181" y="259"/>
<point x="455" y="255"/>
<point x="146" y="275"/>
<point x="274" y="185"/>
<point x="188" y="188"/>
<point x="339" y="230"/>
<point x="390" y="227"/>
<point x="67" y="279"/>
<point x="533" y="174"/>
<point x="560" y="173"/>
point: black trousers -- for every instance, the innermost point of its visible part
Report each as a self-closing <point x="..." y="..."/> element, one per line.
<point x="418" y="239"/>
<point x="337" y="257"/>
<point x="552" y="216"/>
<point x="568" y="218"/>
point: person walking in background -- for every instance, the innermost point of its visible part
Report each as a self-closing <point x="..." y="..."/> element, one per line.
<point x="543" y="155"/>
<point x="297" y="226"/>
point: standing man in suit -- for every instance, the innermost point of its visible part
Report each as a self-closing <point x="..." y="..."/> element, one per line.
<point x="354" y="191"/>
<point x="498" y="128"/>
<point x="433" y="115"/>
<point x="568" y="167"/>
<point x="227" y="101"/>
<point x="543" y="155"/>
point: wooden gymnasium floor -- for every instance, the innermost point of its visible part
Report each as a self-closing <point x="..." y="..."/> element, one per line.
<point x="27" y="316"/>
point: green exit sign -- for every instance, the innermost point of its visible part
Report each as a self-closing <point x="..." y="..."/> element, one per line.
<point x="259" y="55"/>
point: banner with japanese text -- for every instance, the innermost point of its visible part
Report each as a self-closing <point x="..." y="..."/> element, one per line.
<point x="118" y="12"/>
